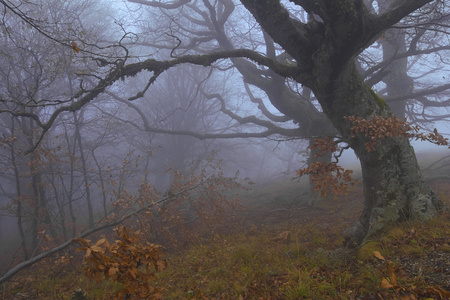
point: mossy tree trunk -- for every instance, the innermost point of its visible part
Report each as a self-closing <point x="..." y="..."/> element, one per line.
<point x="394" y="189"/>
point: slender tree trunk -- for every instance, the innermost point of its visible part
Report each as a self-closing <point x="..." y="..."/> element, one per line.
<point x="36" y="215"/>
<point x="102" y="184"/>
<point x="83" y="165"/>
<point x="146" y="168"/>
<point x="84" y="170"/>
<point x="43" y="202"/>
<point x="397" y="81"/>
<point x="41" y="213"/>
<point x="60" y="204"/>
<point x="18" y="198"/>
<point x="394" y="188"/>
<point x="70" y="192"/>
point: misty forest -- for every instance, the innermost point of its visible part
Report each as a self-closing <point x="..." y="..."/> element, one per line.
<point x="224" y="149"/>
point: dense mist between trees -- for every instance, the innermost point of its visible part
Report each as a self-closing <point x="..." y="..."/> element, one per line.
<point x="101" y="101"/>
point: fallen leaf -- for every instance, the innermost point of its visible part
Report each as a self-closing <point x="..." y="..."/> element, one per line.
<point x="385" y="284"/>
<point x="392" y="274"/>
<point x="378" y="255"/>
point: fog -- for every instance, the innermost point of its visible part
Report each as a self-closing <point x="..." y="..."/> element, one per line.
<point x="63" y="170"/>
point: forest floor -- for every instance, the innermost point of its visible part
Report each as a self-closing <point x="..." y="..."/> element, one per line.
<point x="276" y="248"/>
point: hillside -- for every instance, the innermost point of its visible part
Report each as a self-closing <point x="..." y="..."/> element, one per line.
<point x="276" y="248"/>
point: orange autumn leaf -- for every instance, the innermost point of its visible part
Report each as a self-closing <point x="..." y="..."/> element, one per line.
<point x="385" y="284"/>
<point x="121" y="261"/>
<point x="378" y="255"/>
<point x="100" y="241"/>
<point x="112" y="271"/>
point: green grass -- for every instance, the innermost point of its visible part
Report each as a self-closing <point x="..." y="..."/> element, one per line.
<point x="258" y="267"/>
<point x="251" y="261"/>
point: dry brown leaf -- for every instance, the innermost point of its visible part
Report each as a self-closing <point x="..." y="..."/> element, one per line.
<point x="378" y="255"/>
<point x="385" y="284"/>
<point x="392" y="274"/>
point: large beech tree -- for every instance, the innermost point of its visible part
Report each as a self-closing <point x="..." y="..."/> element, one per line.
<point x="394" y="188"/>
<point x="322" y="55"/>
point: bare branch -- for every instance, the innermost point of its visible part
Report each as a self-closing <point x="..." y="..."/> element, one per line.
<point x="264" y="109"/>
<point x="271" y="129"/>
<point x="399" y="10"/>
<point x="425" y="92"/>
<point x="120" y="71"/>
<point x="66" y="244"/>
<point x="166" y="5"/>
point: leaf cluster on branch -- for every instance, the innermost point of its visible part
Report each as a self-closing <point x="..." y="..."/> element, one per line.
<point x="332" y="177"/>
<point x="130" y="261"/>
<point x="329" y="177"/>
<point x="379" y="128"/>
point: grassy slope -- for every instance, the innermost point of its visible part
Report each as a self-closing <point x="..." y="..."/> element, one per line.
<point x="278" y="249"/>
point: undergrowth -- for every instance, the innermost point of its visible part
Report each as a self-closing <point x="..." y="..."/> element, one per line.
<point x="278" y="255"/>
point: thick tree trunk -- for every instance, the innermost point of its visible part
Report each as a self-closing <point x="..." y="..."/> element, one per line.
<point x="394" y="188"/>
